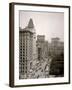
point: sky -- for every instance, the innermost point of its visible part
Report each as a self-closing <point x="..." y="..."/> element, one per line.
<point x="49" y="24"/>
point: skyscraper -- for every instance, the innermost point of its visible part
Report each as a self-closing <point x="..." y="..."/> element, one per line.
<point x="42" y="47"/>
<point x="27" y="49"/>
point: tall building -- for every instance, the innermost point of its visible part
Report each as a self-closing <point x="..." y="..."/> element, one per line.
<point x="57" y="53"/>
<point x="27" y="49"/>
<point x="56" y="46"/>
<point x="44" y="60"/>
<point x="42" y="47"/>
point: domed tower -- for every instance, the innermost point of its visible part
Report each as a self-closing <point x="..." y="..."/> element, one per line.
<point x="27" y="44"/>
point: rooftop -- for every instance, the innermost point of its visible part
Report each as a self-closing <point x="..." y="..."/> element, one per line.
<point x="29" y="27"/>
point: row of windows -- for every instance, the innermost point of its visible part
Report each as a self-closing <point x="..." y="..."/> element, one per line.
<point x="23" y="68"/>
<point x="25" y="48"/>
<point x="23" y="72"/>
<point x="27" y="35"/>
<point x="23" y="54"/>
<point x="22" y="58"/>
<point x="25" y="60"/>
<point x="22" y="49"/>
<point x="24" y="33"/>
<point x="26" y="38"/>
<point x="24" y="41"/>
<point x="23" y="63"/>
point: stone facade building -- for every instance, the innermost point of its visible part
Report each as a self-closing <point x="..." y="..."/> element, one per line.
<point x="56" y="46"/>
<point x="42" y="47"/>
<point x="27" y="49"/>
<point x="57" y="53"/>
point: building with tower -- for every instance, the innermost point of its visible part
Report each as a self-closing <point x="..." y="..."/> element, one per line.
<point x="27" y="49"/>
